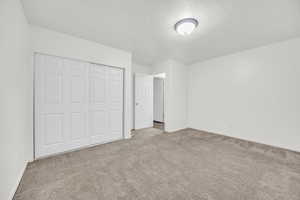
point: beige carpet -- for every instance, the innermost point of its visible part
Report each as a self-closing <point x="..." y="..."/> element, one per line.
<point x="184" y="165"/>
<point x="145" y="133"/>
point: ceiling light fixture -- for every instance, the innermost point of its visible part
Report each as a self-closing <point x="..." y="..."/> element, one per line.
<point x="186" y="26"/>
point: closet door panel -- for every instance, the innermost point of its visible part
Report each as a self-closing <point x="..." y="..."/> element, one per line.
<point x="51" y="114"/>
<point x="115" y="83"/>
<point x="98" y="101"/>
<point x="77" y="104"/>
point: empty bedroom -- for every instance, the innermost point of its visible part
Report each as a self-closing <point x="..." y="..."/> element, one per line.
<point x="150" y="100"/>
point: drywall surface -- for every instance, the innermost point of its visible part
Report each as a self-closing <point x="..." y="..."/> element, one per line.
<point x="178" y="101"/>
<point x="15" y="96"/>
<point x="141" y="69"/>
<point x="58" y="44"/>
<point x="175" y="100"/>
<point x="252" y="95"/>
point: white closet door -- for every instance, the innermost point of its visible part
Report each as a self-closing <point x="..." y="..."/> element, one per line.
<point x="115" y="103"/>
<point x="98" y="103"/>
<point x="51" y="111"/>
<point x="106" y="104"/>
<point x="76" y="104"/>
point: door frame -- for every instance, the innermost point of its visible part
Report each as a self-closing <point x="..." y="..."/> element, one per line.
<point x="34" y="101"/>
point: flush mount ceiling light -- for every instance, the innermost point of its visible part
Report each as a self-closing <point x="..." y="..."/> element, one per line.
<point x="186" y="26"/>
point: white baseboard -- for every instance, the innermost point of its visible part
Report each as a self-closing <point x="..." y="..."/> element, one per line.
<point x="171" y="130"/>
<point x="275" y="145"/>
<point x="14" y="189"/>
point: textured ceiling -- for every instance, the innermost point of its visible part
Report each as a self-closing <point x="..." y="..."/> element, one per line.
<point x="145" y="27"/>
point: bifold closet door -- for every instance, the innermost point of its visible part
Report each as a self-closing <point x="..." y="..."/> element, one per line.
<point x="106" y="103"/>
<point x="76" y="104"/>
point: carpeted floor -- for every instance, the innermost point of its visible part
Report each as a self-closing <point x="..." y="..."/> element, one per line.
<point x="184" y="165"/>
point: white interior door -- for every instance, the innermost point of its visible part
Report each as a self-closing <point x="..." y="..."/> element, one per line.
<point x="76" y="104"/>
<point x="158" y="102"/>
<point x="143" y="101"/>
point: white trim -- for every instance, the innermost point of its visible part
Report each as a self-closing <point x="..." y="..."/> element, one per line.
<point x="14" y="190"/>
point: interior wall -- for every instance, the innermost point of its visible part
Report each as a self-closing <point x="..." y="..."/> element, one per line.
<point x="253" y="95"/>
<point x="58" y="44"/>
<point x="15" y="96"/>
<point x="175" y="100"/>
<point x="142" y="69"/>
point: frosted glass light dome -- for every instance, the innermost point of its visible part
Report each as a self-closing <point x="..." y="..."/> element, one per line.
<point x="186" y="26"/>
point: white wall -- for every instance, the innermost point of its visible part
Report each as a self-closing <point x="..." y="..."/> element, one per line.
<point x="175" y="94"/>
<point x="142" y="69"/>
<point x="15" y="96"/>
<point x="178" y="101"/>
<point x="58" y="44"/>
<point x="252" y="95"/>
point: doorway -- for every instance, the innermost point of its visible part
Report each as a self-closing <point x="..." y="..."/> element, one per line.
<point x="149" y="101"/>
<point x="159" y="101"/>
